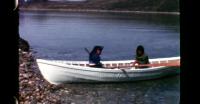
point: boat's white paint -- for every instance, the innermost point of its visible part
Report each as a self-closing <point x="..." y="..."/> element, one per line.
<point x="58" y="71"/>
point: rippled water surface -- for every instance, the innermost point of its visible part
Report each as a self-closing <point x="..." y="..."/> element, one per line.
<point x="162" y="91"/>
<point x="64" y="35"/>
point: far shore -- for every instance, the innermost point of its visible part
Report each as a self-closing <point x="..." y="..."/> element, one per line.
<point x="100" y="11"/>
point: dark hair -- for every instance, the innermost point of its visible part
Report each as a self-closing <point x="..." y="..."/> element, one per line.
<point x="140" y="48"/>
<point x="96" y="48"/>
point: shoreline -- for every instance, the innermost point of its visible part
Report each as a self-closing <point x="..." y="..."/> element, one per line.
<point x="33" y="88"/>
<point x="99" y="11"/>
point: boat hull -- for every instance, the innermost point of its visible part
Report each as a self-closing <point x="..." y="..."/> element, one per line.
<point x="62" y="73"/>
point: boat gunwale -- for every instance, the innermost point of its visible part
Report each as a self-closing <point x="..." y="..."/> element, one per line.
<point x="115" y="61"/>
<point x="86" y="68"/>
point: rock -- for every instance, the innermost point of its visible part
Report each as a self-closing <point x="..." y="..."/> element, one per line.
<point x="22" y="65"/>
<point x="27" y="97"/>
<point x="23" y="45"/>
<point x="25" y="75"/>
<point x="37" y="90"/>
<point x="33" y="88"/>
<point x="26" y="102"/>
<point x="25" y="81"/>
<point x="37" y="79"/>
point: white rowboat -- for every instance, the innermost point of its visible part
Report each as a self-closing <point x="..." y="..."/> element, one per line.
<point x="58" y="71"/>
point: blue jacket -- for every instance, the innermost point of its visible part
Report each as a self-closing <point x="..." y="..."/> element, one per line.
<point x="95" y="59"/>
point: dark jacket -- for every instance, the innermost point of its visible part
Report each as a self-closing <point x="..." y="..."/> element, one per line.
<point x="95" y="59"/>
<point x="144" y="59"/>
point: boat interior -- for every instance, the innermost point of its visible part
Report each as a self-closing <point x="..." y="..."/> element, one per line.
<point x="125" y="63"/>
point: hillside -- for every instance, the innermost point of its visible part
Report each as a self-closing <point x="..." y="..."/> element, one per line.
<point x="132" y="5"/>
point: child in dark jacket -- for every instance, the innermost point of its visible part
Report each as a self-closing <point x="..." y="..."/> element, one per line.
<point x="141" y="57"/>
<point x="94" y="58"/>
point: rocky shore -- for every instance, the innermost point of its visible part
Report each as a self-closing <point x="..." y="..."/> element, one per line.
<point x="33" y="88"/>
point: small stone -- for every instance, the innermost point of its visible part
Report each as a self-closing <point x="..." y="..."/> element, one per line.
<point x="23" y="64"/>
<point x="38" y="94"/>
<point x="25" y="75"/>
<point x="67" y="91"/>
<point x="26" y="102"/>
<point x="42" y="96"/>
<point x="37" y="78"/>
<point x="37" y="89"/>
<point x="37" y="97"/>
<point x="27" y="97"/>
<point x="25" y="81"/>
<point x="24" y="52"/>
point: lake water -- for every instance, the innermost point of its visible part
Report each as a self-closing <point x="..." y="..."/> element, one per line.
<point x="64" y="35"/>
<point x="61" y="35"/>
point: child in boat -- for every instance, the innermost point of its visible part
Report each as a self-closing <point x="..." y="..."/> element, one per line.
<point x="94" y="58"/>
<point x="141" y="57"/>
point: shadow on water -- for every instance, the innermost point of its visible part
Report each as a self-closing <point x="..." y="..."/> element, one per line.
<point x="158" y="91"/>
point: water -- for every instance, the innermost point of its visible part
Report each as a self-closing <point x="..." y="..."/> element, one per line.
<point x="64" y="35"/>
<point x="58" y="35"/>
<point x="165" y="91"/>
